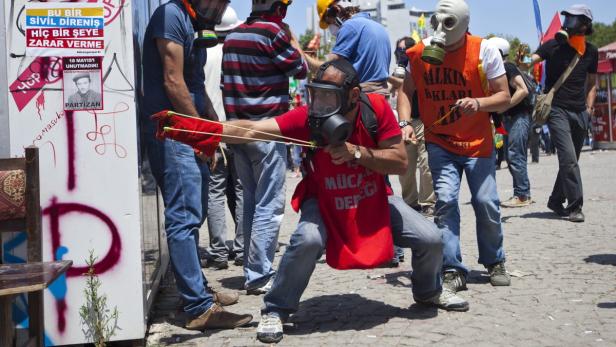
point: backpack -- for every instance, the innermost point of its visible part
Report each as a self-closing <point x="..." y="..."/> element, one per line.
<point x="533" y="90"/>
<point x="368" y="116"/>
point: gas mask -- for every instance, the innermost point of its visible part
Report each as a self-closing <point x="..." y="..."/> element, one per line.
<point x="327" y="104"/>
<point x="450" y="24"/>
<point x="401" y="62"/>
<point x="205" y="15"/>
<point x="573" y="26"/>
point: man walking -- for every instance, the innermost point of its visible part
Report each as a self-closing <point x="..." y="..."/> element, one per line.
<point x="517" y="124"/>
<point x="444" y="70"/>
<point x="259" y="57"/>
<point x="572" y="105"/>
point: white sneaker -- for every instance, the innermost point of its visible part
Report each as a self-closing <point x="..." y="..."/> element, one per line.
<point x="446" y="300"/>
<point x="270" y="328"/>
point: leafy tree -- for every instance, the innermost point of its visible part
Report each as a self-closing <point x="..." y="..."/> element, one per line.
<point x="604" y="34"/>
<point x="305" y="38"/>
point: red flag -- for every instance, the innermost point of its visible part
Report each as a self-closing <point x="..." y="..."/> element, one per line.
<point x="187" y="130"/>
<point x="555" y="25"/>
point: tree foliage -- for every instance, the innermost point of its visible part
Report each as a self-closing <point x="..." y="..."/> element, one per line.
<point x="604" y="34"/>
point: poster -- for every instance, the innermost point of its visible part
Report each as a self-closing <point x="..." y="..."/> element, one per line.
<point x="64" y="29"/>
<point x="82" y="84"/>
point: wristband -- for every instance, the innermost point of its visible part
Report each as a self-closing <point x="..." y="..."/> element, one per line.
<point x="478" y="104"/>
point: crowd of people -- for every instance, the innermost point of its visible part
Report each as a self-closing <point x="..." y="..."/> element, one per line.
<point x="218" y="123"/>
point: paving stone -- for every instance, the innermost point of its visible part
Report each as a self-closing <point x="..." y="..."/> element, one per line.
<point x="567" y="296"/>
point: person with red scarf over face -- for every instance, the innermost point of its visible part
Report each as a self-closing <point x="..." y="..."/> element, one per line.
<point x="346" y="207"/>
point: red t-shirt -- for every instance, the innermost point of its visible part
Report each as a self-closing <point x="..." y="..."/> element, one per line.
<point x="295" y="124"/>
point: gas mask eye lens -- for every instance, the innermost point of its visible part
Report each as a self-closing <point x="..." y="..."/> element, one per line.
<point x="449" y="23"/>
<point x="434" y="22"/>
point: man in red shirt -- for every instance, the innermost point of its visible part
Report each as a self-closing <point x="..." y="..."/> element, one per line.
<point x="346" y="206"/>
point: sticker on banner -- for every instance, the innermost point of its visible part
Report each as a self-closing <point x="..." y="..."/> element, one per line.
<point x="82" y="83"/>
<point x="64" y="29"/>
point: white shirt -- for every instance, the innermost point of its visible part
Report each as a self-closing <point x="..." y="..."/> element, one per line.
<point x="490" y="56"/>
<point x="213" y="73"/>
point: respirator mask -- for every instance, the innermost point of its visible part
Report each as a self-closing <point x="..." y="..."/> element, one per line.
<point x="337" y="14"/>
<point x="572" y="26"/>
<point x="450" y="24"/>
<point x="205" y="15"/>
<point x="327" y="105"/>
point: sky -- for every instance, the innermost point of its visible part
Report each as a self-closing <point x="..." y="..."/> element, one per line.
<point x="507" y="17"/>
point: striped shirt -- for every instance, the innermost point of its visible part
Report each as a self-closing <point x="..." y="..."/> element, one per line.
<point x="257" y="63"/>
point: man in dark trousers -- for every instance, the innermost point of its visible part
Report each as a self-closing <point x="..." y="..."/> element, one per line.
<point x="572" y="105"/>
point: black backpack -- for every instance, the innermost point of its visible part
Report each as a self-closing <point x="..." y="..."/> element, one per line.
<point x="533" y="89"/>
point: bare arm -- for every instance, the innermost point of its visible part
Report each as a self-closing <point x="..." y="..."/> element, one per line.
<point x="172" y="56"/>
<point x="314" y="64"/>
<point x="499" y="100"/>
<point x="388" y="159"/>
<point x="591" y="92"/>
<point x="520" y="91"/>
<point x="250" y="130"/>
<point x="395" y="81"/>
<point x="405" y="97"/>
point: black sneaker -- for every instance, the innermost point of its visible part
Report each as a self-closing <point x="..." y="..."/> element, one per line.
<point x="557" y="208"/>
<point x="214" y="264"/>
<point x="576" y="216"/>
<point x="454" y="281"/>
<point x="499" y="275"/>
<point x="239" y="261"/>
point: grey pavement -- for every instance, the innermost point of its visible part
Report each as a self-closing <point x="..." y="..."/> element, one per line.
<point x="563" y="290"/>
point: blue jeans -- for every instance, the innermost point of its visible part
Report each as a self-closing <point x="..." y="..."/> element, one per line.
<point x="447" y="169"/>
<point x="261" y="167"/>
<point x="222" y="180"/>
<point x="410" y="230"/>
<point x="182" y="179"/>
<point x="518" y="127"/>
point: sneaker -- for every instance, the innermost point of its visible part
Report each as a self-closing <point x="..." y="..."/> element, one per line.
<point x="217" y="318"/>
<point x="224" y="298"/>
<point x="576" y="216"/>
<point x="214" y="264"/>
<point x="517" y="201"/>
<point x="557" y="208"/>
<point x="454" y="281"/>
<point x="427" y="211"/>
<point x="261" y="290"/>
<point x="499" y="275"/>
<point x="270" y="329"/>
<point x="446" y="300"/>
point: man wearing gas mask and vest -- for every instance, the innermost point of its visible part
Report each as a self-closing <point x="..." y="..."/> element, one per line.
<point x="346" y="206"/>
<point x="359" y="39"/>
<point x="259" y="56"/>
<point x="459" y="78"/>
<point x="570" y="56"/>
<point x="173" y="59"/>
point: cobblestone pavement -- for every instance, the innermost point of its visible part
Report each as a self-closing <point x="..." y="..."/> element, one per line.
<point x="563" y="290"/>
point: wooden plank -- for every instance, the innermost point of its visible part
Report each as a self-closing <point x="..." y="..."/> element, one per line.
<point x="7" y="328"/>
<point x="13" y="225"/>
<point x="25" y="278"/>
<point x="33" y="206"/>
<point x="12" y="164"/>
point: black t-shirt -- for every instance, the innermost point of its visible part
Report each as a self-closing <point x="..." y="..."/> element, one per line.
<point x="572" y="94"/>
<point x="512" y="71"/>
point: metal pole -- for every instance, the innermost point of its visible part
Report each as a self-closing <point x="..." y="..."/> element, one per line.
<point x="609" y="106"/>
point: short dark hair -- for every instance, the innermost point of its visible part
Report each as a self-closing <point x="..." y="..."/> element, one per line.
<point x="408" y="42"/>
<point x="351" y="78"/>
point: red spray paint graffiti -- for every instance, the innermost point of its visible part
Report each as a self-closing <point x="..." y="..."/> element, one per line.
<point x="56" y="210"/>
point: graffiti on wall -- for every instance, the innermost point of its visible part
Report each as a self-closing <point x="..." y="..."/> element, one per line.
<point x="84" y="154"/>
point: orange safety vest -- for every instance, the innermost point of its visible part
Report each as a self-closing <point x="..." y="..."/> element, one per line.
<point x="439" y="87"/>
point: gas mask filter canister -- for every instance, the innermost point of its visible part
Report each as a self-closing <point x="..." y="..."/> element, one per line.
<point x="450" y="24"/>
<point x="327" y="106"/>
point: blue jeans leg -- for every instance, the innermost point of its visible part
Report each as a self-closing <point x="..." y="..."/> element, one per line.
<point x="216" y="215"/>
<point x="481" y="178"/>
<point x="182" y="179"/>
<point x="518" y="127"/>
<point x="410" y="230"/>
<point x="446" y="175"/>
<point x="262" y="169"/>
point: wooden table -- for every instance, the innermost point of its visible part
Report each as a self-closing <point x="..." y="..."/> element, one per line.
<point x="23" y="278"/>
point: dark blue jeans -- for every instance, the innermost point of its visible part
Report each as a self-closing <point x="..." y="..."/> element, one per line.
<point x="517" y="127"/>
<point x="182" y="179"/>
